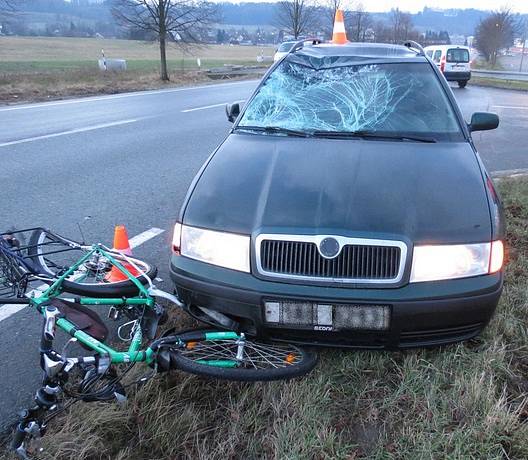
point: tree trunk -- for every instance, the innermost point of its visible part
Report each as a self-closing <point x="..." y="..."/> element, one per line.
<point x="163" y="57"/>
<point x="163" y="40"/>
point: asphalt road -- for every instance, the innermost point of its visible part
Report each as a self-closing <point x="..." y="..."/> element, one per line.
<point x="129" y="159"/>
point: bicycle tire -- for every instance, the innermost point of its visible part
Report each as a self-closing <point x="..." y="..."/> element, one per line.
<point x="124" y="288"/>
<point x="306" y="361"/>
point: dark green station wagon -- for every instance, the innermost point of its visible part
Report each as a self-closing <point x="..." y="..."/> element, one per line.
<point x="348" y="206"/>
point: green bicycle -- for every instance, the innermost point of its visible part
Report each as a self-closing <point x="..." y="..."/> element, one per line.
<point x="65" y="267"/>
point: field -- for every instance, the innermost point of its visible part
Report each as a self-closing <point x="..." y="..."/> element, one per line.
<point x="42" y="68"/>
<point x="465" y="401"/>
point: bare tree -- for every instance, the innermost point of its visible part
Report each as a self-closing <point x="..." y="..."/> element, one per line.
<point x="523" y="28"/>
<point x="332" y="6"/>
<point x="296" y="16"/>
<point x="401" y="26"/>
<point x="8" y="7"/>
<point x="358" y="23"/>
<point x="169" y="20"/>
<point x="495" y="33"/>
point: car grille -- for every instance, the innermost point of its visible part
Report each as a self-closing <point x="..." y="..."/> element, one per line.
<point x="354" y="262"/>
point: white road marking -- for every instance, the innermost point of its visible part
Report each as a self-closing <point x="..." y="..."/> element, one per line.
<point x="8" y="310"/>
<point x="206" y="107"/>
<point x="515" y="107"/>
<point x="117" y="96"/>
<point x="70" y="131"/>
<point x="138" y="240"/>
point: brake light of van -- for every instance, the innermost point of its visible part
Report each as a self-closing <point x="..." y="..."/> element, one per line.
<point x="442" y="63"/>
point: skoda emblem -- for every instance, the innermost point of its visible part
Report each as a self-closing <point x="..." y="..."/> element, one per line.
<point x="329" y="248"/>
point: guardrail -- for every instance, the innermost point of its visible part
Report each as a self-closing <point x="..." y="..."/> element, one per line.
<point x="233" y="71"/>
<point x="501" y="74"/>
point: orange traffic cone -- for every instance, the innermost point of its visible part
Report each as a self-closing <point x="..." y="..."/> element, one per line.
<point x="339" y="35"/>
<point x="122" y="245"/>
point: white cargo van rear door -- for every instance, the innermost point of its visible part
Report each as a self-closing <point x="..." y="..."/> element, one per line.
<point x="457" y="60"/>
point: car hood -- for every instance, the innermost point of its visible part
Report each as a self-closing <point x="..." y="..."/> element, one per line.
<point x="424" y="193"/>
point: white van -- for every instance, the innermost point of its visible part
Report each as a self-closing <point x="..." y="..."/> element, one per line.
<point x="453" y="61"/>
<point x="283" y="50"/>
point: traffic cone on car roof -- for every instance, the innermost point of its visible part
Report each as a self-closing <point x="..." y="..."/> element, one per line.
<point x="122" y="245"/>
<point x="339" y="35"/>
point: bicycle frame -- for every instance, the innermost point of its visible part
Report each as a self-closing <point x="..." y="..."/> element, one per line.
<point x="134" y="353"/>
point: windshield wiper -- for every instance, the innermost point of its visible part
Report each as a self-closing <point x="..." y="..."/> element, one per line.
<point x="371" y="135"/>
<point x="274" y="130"/>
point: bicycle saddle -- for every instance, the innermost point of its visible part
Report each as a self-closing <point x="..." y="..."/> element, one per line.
<point x="83" y="318"/>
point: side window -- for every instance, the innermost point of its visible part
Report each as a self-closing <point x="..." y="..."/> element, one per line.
<point x="437" y="55"/>
<point x="429" y="53"/>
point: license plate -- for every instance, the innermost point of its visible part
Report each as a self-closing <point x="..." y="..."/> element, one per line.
<point x="326" y="317"/>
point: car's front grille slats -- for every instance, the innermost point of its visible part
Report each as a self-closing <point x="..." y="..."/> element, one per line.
<point x="354" y="261"/>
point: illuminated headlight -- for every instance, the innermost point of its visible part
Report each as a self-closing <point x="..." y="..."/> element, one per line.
<point x="218" y="248"/>
<point x="431" y="263"/>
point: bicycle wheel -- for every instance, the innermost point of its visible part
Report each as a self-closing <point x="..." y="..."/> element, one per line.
<point x="261" y="361"/>
<point x="54" y="254"/>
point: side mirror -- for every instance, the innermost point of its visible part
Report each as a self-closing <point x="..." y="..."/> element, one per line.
<point x="232" y="111"/>
<point x="482" y="121"/>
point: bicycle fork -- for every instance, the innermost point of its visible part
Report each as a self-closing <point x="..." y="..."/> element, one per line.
<point x="32" y="421"/>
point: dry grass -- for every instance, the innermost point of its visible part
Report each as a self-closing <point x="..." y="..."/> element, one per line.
<point x="51" y="85"/>
<point x="466" y="401"/>
<point x="48" y="49"/>
<point x="43" y="68"/>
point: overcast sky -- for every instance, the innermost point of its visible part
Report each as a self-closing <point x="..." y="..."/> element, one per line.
<point x="518" y="6"/>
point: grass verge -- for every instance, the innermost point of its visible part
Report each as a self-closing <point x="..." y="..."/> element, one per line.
<point x="47" y="68"/>
<point x="463" y="401"/>
<point x="60" y="84"/>
<point x="497" y="83"/>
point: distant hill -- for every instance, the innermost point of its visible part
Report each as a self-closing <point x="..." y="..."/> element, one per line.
<point x="89" y="17"/>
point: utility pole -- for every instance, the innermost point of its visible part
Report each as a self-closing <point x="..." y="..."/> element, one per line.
<point x="523" y="38"/>
<point x="522" y="54"/>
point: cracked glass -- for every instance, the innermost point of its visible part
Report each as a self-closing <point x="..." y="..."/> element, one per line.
<point x="392" y="98"/>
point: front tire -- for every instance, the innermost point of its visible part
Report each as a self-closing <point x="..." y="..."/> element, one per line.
<point x="462" y="83"/>
<point x="262" y="361"/>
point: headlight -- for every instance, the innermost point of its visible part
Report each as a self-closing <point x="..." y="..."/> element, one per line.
<point x="431" y="263"/>
<point x="218" y="248"/>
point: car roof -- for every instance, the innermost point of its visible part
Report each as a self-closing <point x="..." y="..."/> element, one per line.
<point x="329" y="54"/>
<point x="370" y="50"/>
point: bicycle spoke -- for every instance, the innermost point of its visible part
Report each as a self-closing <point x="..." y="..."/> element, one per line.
<point x="257" y="356"/>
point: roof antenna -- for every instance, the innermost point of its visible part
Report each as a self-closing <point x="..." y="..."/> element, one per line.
<point x="411" y="44"/>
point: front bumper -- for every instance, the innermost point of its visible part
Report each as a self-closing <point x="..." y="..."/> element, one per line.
<point x="422" y="314"/>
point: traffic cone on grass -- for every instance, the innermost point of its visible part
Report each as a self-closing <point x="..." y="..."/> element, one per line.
<point x="122" y="245"/>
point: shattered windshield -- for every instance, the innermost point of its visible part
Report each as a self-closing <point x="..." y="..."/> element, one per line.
<point x="390" y="98"/>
